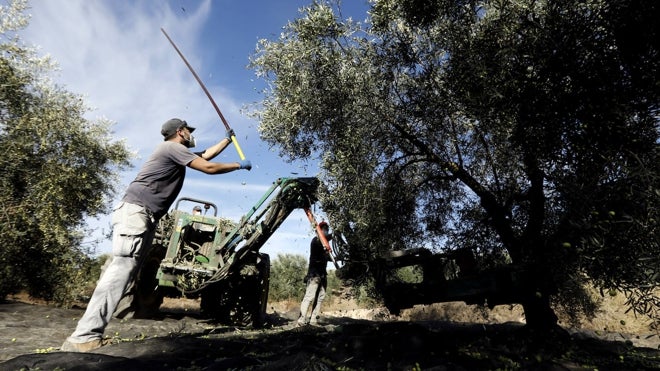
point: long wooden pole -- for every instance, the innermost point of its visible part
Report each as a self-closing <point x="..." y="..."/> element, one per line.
<point x="217" y="109"/>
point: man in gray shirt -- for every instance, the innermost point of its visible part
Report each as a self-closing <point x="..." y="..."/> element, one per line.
<point x="134" y="220"/>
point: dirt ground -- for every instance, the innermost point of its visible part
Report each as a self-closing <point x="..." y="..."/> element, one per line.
<point x="451" y="336"/>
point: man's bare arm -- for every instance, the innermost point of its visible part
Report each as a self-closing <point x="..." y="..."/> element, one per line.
<point x="209" y="167"/>
<point x="211" y="152"/>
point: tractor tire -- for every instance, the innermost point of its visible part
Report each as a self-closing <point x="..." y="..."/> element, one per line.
<point x="262" y="287"/>
<point x="216" y="302"/>
<point x="143" y="297"/>
<point x="242" y="299"/>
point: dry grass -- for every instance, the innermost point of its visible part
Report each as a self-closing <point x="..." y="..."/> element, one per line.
<point x="612" y="316"/>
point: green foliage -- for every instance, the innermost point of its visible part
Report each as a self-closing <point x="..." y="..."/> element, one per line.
<point x="410" y="274"/>
<point x="334" y="284"/>
<point x="58" y="167"/>
<point x="286" y="277"/>
<point x="528" y="129"/>
<point x="366" y="295"/>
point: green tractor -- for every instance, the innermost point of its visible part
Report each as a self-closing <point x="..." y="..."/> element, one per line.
<point x="216" y="259"/>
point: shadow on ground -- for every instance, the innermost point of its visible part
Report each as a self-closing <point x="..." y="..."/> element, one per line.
<point x="180" y="341"/>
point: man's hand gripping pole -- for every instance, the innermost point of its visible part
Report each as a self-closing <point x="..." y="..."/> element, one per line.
<point x="224" y="121"/>
<point x="319" y="232"/>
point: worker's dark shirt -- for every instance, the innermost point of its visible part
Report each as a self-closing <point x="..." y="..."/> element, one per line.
<point x="318" y="259"/>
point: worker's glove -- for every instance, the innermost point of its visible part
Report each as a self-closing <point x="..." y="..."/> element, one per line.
<point x="230" y="133"/>
<point x="245" y="164"/>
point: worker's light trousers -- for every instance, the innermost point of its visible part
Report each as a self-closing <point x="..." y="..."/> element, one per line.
<point x="133" y="231"/>
<point x="314" y="295"/>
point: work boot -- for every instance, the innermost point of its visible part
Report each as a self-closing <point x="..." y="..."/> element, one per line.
<point x="82" y="347"/>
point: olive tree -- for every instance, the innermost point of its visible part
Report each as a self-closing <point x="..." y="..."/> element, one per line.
<point x="58" y="167"/>
<point x="286" y="277"/>
<point x="526" y="126"/>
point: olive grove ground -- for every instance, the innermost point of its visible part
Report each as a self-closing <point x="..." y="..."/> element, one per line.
<point x="442" y="336"/>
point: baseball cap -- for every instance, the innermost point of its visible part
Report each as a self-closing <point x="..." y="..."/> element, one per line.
<point x="171" y="126"/>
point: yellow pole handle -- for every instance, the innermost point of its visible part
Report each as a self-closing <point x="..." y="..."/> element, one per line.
<point x="238" y="148"/>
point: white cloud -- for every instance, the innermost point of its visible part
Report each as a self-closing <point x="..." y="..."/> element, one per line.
<point x="114" y="54"/>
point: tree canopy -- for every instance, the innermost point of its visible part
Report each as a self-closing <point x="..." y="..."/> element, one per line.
<point x="526" y="126"/>
<point x="57" y="167"/>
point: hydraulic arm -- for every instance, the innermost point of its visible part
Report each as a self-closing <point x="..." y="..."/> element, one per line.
<point x="256" y="227"/>
<point x="201" y="255"/>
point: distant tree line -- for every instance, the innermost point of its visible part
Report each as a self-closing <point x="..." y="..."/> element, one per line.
<point x="286" y="279"/>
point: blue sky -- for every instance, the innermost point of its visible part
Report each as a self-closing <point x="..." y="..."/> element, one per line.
<point x="114" y="55"/>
